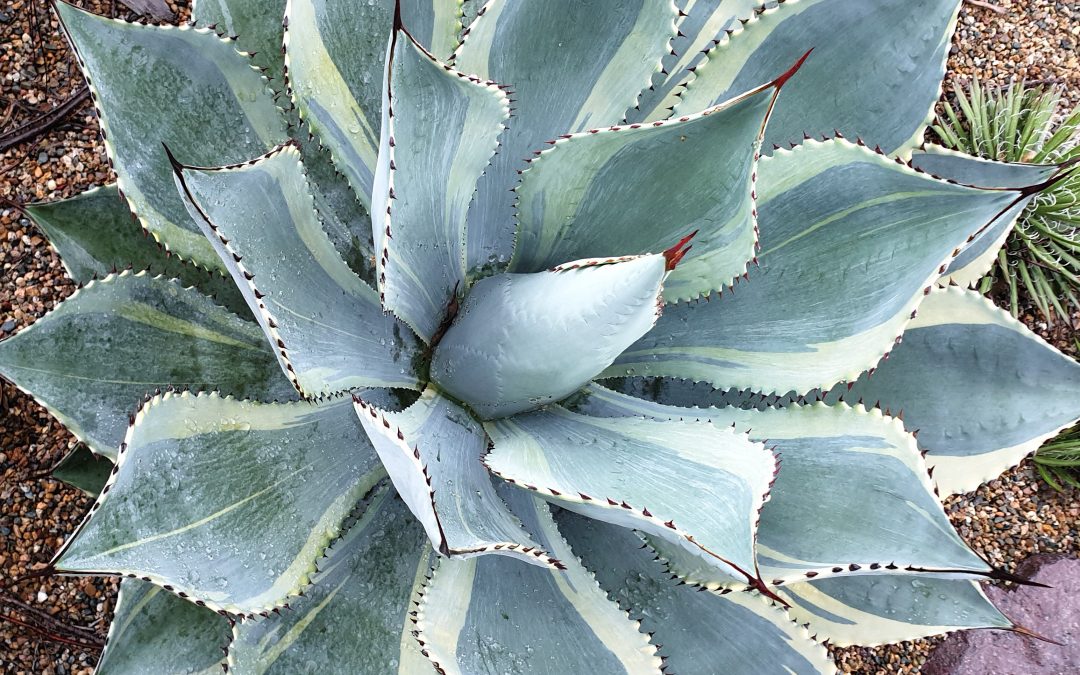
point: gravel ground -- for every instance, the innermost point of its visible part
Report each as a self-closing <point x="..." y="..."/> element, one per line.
<point x="1005" y="520"/>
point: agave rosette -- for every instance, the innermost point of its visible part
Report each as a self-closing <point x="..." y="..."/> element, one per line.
<point x="586" y="421"/>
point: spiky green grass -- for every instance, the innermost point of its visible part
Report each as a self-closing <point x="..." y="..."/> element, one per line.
<point x="1041" y="259"/>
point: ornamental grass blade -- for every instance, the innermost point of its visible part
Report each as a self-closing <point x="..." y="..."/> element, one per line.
<point x="494" y="615"/>
<point x="574" y="65"/>
<point x="226" y="502"/>
<point x="432" y="451"/>
<point x="326" y="324"/>
<point x="851" y="242"/>
<point x="980" y="389"/>
<point x="876" y="72"/>
<point x="700" y="633"/>
<point x="182" y="86"/>
<point x="699" y="486"/>
<point x="117" y="340"/>
<point x="440" y="128"/>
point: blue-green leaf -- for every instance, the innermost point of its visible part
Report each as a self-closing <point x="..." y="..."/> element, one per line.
<point x="84" y="470"/>
<point x="981" y="390"/>
<point x="227" y="502"/>
<point x="432" y="451"/>
<point x="574" y="65"/>
<point x="326" y="324"/>
<point x="181" y="86"/>
<point x="256" y="25"/>
<point x="439" y="130"/>
<point x="875" y="72"/>
<point x="850" y="243"/>
<point x="94" y="358"/>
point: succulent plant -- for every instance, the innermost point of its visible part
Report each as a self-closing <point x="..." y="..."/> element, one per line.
<point x="607" y="350"/>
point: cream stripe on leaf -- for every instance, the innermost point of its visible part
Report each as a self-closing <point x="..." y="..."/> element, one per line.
<point x="184" y="87"/>
<point x="885" y="608"/>
<point x="701" y="632"/>
<point x="875" y="72"/>
<point x="326" y="324"/>
<point x="494" y="615"/>
<point x="853" y="495"/>
<point x="93" y="358"/>
<point x="573" y="65"/>
<point x="701" y="24"/>
<point x="432" y="451"/>
<point x="981" y="390"/>
<point x="227" y="502"/>
<point x="977" y="259"/>
<point x="353" y="614"/>
<point x="850" y="242"/>
<point x="439" y="130"/>
<point x="637" y="188"/>
<point x="699" y="486"/>
<point x="95" y="235"/>
<point x="334" y="56"/>
<point x="154" y="631"/>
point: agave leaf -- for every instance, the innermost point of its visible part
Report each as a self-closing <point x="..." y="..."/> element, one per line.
<point x="574" y="65"/>
<point x="334" y="56"/>
<point x="84" y="470"/>
<point x="180" y="86"/>
<point x="523" y="340"/>
<point x="699" y="486"/>
<point x="879" y="609"/>
<point x="981" y="390"/>
<point x="701" y="24"/>
<point x="439" y="130"/>
<point x="92" y="359"/>
<point x="850" y="243"/>
<point x="610" y="192"/>
<point x="839" y="466"/>
<point x="154" y="631"/>
<point x="235" y="500"/>
<point x="977" y="259"/>
<point x="256" y="24"/>
<point x="494" y="615"/>
<point x="353" y="616"/>
<point x="327" y="324"/>
<point x="875" y="72"/>
<point x="95" y="234"/>
<point x="432" y="451"/>
<point x="701" y="633"/>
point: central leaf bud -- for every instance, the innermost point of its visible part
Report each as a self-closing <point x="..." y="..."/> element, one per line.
<point x="520" y="341"/>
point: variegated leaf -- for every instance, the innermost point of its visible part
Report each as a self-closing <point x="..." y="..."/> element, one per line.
<point x="334" y="56"/>
<point x="95" y="235"/>
<point x="701" y="25"/>
<point x="632" y="189"/>
<point x="432" y="451"/>
<point x="154" y="631"/>
<point x="850" y="243"/>
<point x="183" y="87"/>
<point x="84" y="470"/>
<point x="227" y="502"/>
<point x="699" y="486"/>
<point x="494" y="615"/>
<point x="981" y="390"/>
<point x="875" y="72"/>
<point x="91" y="360"/>
<point x="977" y="259"/>
<point x="574" y="65"/>
<point x="701" y="633"/>
<point x="523" y="340"/>
<point x="256" y="25"/>
<point x="885" y="608"/>
<point x="354" y="616"/>
<point x="839" y="465"/>
<point x="439" y="130"/>
<point x="326" y="323"/>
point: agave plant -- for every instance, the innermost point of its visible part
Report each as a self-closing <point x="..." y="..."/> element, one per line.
<point x="606" y="352"/>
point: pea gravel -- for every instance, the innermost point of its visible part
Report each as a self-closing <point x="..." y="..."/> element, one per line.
<point x="1005" y="520"/>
